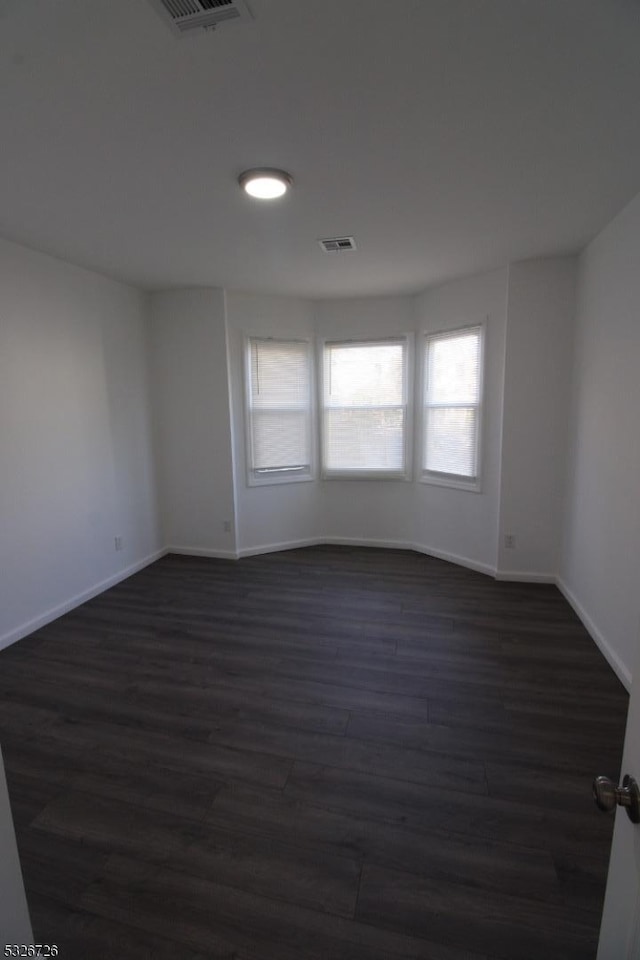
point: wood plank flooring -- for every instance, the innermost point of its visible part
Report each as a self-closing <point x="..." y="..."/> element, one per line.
<point x="325" y="754"/>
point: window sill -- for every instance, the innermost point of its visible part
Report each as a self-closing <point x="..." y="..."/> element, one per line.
<point x="364" y="475"/>
<point x="275" y="481"/>
<point x="454" y="483"/>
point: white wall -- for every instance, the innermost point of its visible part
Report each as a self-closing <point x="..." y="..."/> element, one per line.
<point x="375" y="510"/>
<point x="458" y="523"/>
<point x="452" y="523"/>
<point x="601" y="555"/>
<point x="76" y="444"/>
<point x="281" y="513"/>
<point x="192" y="420"/>
<point x="538" y="366"/>
<point x="76" y="462"/>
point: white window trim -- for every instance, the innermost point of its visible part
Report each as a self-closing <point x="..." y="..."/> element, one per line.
<point x="269" y="479"/>
<point x="405" y="475"/>
<point x="453" y="481"/>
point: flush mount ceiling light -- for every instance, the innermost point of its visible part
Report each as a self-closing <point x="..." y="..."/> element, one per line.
<point x="263" y="183"/>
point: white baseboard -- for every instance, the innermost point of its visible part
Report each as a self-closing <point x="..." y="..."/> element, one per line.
<point x="619" y="668"/>
<point x="417" y="548"/>
<point x="456" y="558"/>
<point x="211" y="552"/>
<point x="54" y="612"/>
<point x="365" y="542"/>
<point x="276" y="547"/>
<point x="519" y="576"/>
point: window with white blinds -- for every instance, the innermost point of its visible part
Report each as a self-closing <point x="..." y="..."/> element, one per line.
<point x="279" y="390"/>
<point x="452" y="399"/>
<point x="364" y="409"/>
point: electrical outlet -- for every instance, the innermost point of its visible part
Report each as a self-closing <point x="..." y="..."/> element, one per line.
<point x="509" y="541"/>
<point x="118" y="543"/>
<point x="226" y="526"/>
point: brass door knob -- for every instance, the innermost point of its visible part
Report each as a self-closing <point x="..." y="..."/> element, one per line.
<point x="608" y="796"/>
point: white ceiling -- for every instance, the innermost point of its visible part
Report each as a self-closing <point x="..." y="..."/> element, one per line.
<point x="447" y="136"/>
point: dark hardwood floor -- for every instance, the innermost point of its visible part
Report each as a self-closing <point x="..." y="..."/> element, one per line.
<point x="324" y="754"/>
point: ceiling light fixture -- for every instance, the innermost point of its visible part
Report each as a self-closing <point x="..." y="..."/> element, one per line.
<point x="263" y="183"/>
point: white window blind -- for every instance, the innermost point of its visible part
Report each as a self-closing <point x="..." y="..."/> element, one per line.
<point x="365" y="408"/>
<point x="452" y="394"/>
<point x="279" y="409"/>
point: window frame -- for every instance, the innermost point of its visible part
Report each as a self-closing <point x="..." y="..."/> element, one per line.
<point x="293" y="475"/>
<point x="432" y="477"/>
<point x="407" y="342"/>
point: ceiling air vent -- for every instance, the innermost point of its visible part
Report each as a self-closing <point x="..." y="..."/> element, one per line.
<point x="338" y="244"/>
<point x="184" y="15"/>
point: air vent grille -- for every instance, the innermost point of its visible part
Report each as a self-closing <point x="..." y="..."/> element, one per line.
<point x="338" y="244"/>
<point x="184" y="15"/>
<point x="182" y="8"/>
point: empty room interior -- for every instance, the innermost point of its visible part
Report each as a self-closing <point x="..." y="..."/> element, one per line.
<point x="319" y="460"/>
